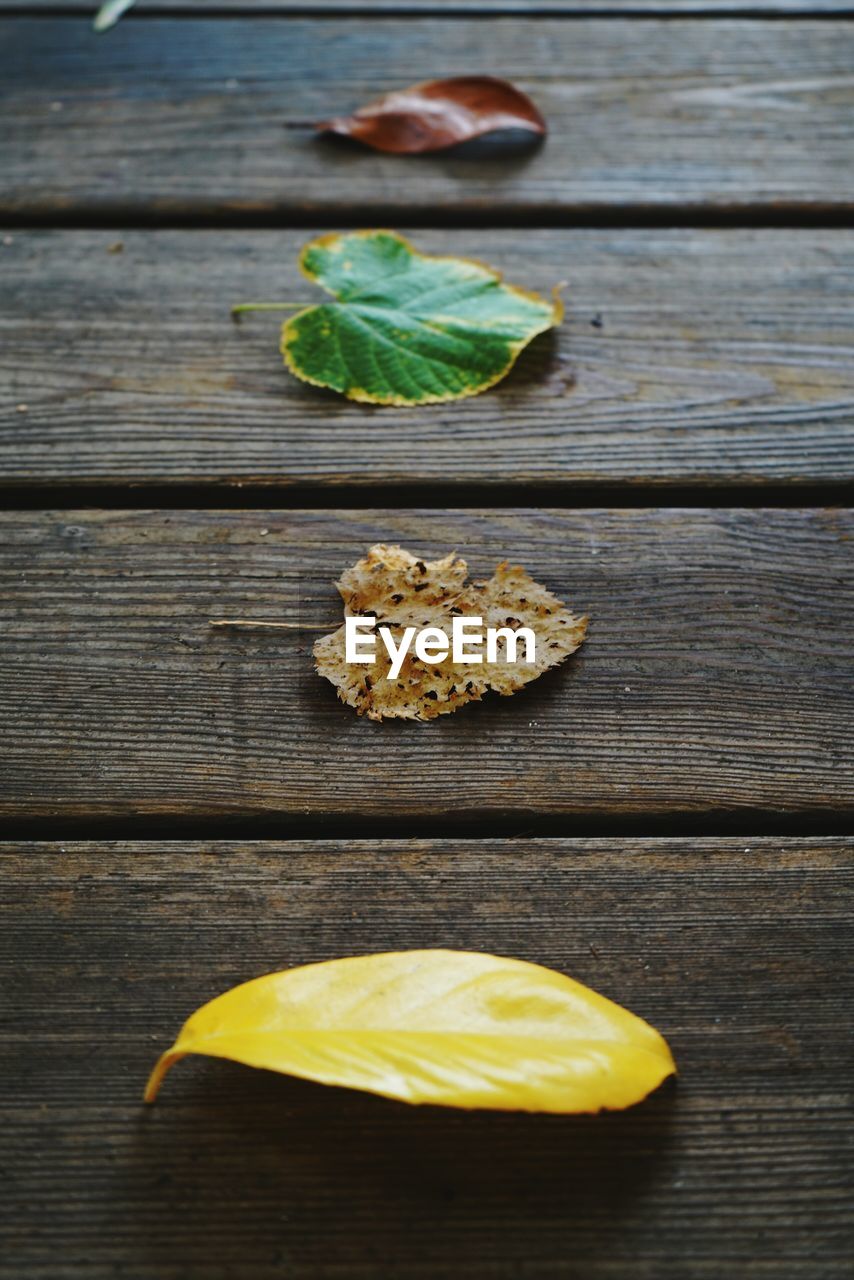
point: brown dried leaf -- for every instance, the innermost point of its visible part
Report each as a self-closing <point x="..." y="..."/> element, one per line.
<point x="438" y="114"/>
<point x="401" y="591"/>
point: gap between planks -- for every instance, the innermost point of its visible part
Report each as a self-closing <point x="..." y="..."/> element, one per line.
<point x="349" y="827"/>
<point x="566" y="497"/>
<point x="199" y="215"/>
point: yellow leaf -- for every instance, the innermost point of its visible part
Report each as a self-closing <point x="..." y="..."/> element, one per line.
<point x="454" y="1028"/>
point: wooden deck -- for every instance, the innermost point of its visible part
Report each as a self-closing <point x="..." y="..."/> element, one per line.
<point x="688" y="357"/>
<point x="739" y="1169"/>
<point x="202" y="117"/>
<point x="669" y="817"/>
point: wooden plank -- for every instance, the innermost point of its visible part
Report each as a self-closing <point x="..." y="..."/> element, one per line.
<point x="716" y="679"/>
<point x="204" y="117"/>
<point x="480" y="8"/>
<point x="705" y="357"/>
<point x="740" y="955"/>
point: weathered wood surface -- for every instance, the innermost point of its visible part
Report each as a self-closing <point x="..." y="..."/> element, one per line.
<point x="717" y="677"/>
<point x="698" y="356"/>
<point x="738" y="951"/>
<point x="196" y="117"/>
<point x="479" y="8"/>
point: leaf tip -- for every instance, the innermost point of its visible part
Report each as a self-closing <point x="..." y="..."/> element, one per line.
<point x="109" y="13"/>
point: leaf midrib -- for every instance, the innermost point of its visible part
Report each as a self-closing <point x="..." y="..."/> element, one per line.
<point x="401" y="348"/>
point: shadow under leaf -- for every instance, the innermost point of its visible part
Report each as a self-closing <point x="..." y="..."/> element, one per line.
<point x="273" y="1168"/>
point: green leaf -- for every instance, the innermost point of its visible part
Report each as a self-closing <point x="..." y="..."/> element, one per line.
<point x="110" y="12"/>
<point x="406" y="327"/>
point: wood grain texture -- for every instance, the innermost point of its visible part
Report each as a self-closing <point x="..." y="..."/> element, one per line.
<point x="202" y="117"/>
<point x="476" y="8"/>
<point x="716" y="678"/>
<point x="740" y="955"/>
<point x="686" y="356"/>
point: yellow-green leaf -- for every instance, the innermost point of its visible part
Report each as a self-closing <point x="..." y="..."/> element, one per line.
<point x="110" y="12"/>
<point x="408" y="328"/>
<point x="455" y="1028"/>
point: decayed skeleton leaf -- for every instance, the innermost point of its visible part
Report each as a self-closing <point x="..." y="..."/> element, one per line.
<point x="403" y="591"/>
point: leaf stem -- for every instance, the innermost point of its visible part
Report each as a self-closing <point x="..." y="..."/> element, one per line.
<point x="257" y="622"/>
<point x="164" y="1062"/>
<point x="239" y="307"/>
